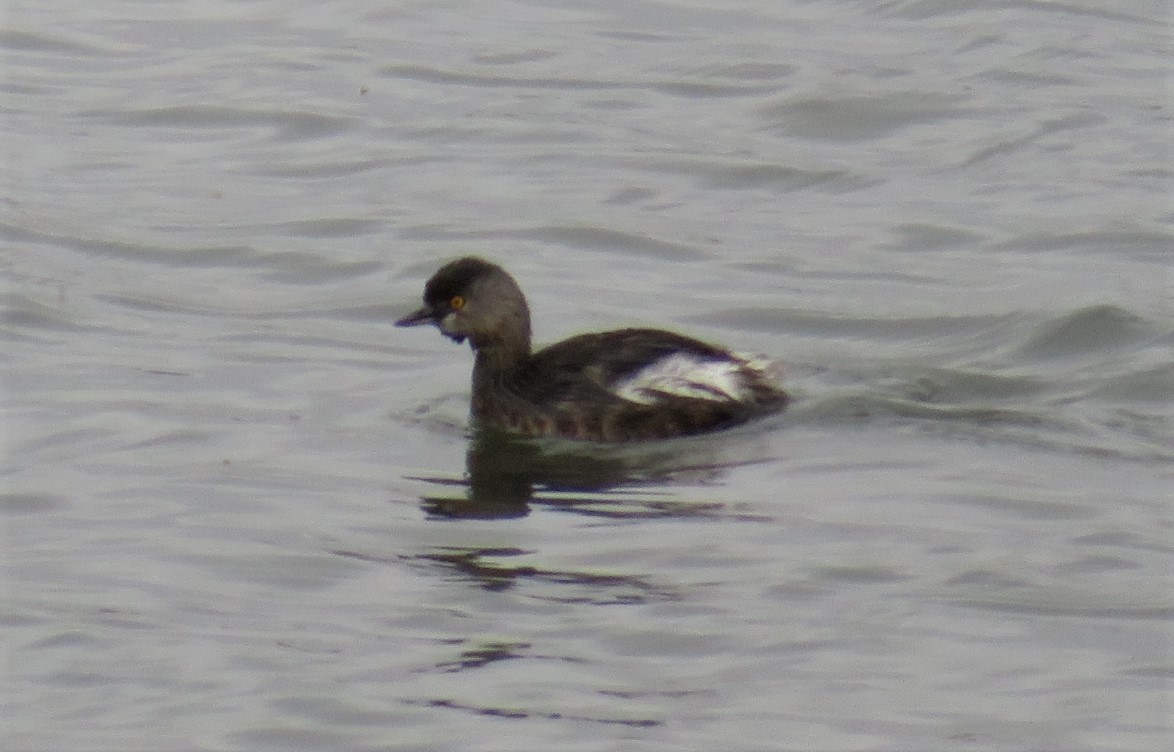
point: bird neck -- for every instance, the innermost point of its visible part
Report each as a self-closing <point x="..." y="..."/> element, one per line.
<point x="500" y="354"/>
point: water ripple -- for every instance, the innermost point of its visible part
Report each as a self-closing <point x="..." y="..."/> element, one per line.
<point x="682" y="88"/>
<point x="286" y="124"/>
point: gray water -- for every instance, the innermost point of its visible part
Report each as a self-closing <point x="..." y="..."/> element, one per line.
<point x="240" y="511"/>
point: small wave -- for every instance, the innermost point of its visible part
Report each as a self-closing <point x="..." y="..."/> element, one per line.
<point x="1019" y="410"/>
<point x="289" y="124"/>
<point x="857" y="405"/>
<point x="860" y="118"/>
<point x="1096" y="330"/>
<point x="1140" y="243"/>
<point x="578" y="237"/>
<point x="673" y="87"/>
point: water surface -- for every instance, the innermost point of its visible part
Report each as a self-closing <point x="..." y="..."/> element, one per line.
<point x="241" y="511"/>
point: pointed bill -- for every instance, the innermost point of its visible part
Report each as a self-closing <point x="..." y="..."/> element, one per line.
<point x="422" y="316"/>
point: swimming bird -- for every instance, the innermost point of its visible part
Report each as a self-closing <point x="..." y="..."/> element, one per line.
<point x="622" y="385"/>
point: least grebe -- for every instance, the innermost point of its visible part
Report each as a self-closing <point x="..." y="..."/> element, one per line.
<point x="623" y="385"/>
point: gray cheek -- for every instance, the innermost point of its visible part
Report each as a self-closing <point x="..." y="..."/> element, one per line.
<point x="449" y="323"/>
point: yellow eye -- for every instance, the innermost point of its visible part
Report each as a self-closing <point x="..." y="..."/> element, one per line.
<point x="457" y="303"/>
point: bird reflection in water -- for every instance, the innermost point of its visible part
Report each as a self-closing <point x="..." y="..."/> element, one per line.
<point x="505" y="475"/>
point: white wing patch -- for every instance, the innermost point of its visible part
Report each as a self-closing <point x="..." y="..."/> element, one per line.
<point x="695" y="377"/>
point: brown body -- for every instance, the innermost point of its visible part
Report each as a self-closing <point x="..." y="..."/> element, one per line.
<point x="569" y="389"/>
